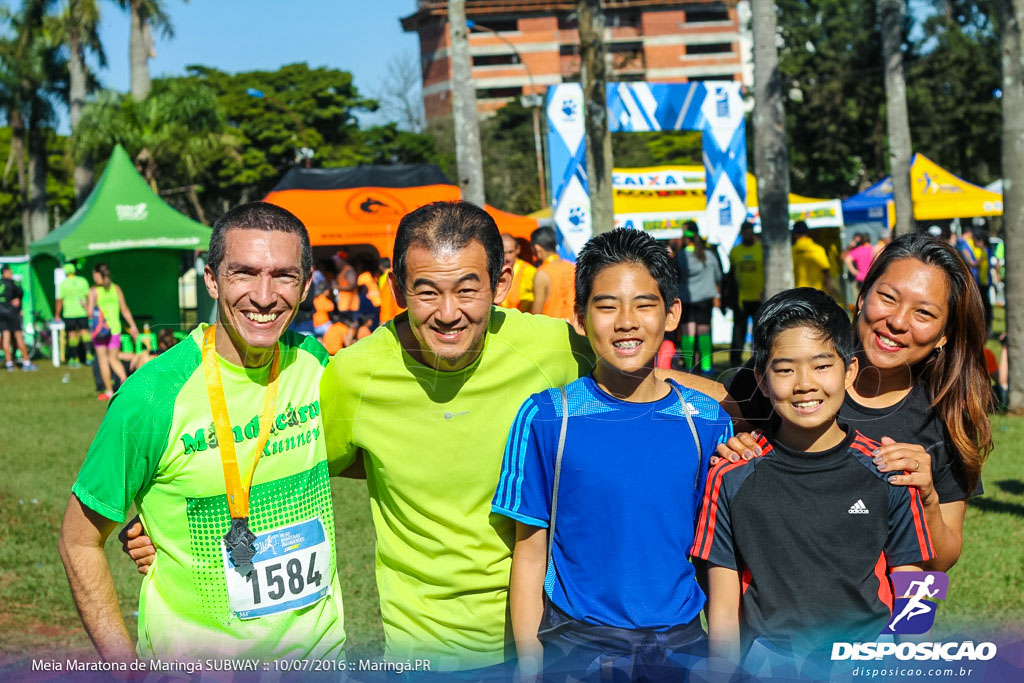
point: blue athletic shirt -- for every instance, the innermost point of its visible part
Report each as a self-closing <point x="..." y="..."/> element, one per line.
<point x="628" y="499"/>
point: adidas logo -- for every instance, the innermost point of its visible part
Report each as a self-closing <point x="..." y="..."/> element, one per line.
<point x="859" y="508"/>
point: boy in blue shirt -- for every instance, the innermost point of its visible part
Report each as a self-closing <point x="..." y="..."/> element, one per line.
<point x="612" y="586"/>
<point x="800" y="541"/>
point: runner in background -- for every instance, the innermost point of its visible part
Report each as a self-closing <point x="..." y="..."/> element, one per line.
<point x="746" y="263"/>
<point x="10" y="320"/>
<point x="520" y="294"/>
<point x="106" y="305"/>
<point x="555" y="280"/>
<point x="72" y="297"/>
<point x="700" y="284"/>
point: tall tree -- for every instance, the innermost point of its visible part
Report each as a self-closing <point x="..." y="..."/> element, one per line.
<point x="594" y="75"/>
<point x="1011" y="14"/>
<point x="771" y="158"/>
<point x="467" y="129"/>
<point x="897" y="119"/>
<point x="79" y="23"/>
<point x="32" y="78"/>
<point x="146" y="15"/>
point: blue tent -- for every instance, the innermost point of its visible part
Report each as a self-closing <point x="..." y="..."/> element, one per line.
<point x="871" y="205"/>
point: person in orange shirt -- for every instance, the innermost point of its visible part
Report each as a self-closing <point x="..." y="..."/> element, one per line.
<point x="323" y="306"/>
<point x="520" y="294"/>
<point x="554" y="285"/>
<point x="348" y="288"/>
<point x="389" y="308"/>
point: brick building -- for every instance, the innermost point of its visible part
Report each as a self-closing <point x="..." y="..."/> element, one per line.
<point x="520" y="47"/>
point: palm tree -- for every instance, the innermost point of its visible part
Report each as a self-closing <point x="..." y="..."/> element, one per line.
<point x="79" y="24"/>
<point x="176" y="133"/>
<point x="31" y="79"/>
<point x="146" y="16"/>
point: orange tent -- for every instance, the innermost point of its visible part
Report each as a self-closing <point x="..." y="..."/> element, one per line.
<point x="363" y="204"/>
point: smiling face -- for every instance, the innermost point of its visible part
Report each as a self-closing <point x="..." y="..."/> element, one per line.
<point x="625" y="320"/>
<point x="449" y="297"/>
<point x="258" y="288"/>
<point x="806" y="382"/>
<point x="903" y="316"/>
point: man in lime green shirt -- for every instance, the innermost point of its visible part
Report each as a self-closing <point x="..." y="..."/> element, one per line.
<point x="72" y="296"/>
<point x="235" y="408"/>
<point x="746" y="266"/>
<point x="424" y="405"/>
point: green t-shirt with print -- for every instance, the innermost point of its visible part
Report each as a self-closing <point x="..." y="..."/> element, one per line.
<point x="157" y="448"/>
<point x="433" y="443"/>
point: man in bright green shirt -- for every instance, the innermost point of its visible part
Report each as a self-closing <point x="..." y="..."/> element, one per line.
<point x="72" y="296"/>
<point x="244" y="387"/>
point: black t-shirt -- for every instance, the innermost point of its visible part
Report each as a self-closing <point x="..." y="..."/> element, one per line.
<point x="9" y="290"/>
<point x="812" y="535"/>
<point x="911" y="420"/>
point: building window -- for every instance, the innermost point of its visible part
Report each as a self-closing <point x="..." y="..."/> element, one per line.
<point x="632" y="47"/>
<point x="713" y="77"/>
<point x="567" y="22"/>
<point x="503" y="25"/>
<point x="498" y="93"/>
<point x="706" y="14"/>
<point x="494" y="60"/>
<point x="709" y="48"/>
<point x="624" y="19"/>
<point x="569" y="50"/>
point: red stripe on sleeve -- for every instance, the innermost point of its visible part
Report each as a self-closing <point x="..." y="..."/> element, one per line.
<point x="924" y="538"/>
<point x="745" y="578"/>
<point x="884" y="589"/>
<point x="709" y="511"/>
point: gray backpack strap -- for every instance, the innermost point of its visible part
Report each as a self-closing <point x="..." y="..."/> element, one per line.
<point x="558" y="471"/>
<point x="693" y="431"/>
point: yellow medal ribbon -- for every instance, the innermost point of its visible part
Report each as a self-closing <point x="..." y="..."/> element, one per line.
<point x="238" y="495"/>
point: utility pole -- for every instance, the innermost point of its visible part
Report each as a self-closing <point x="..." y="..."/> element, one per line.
<point x="468" y="157"/>
<point x="593" y="75"/>
<point x="1011" y="23"/>
<point x="771" y="157"/>
<point x="897" y="119"/>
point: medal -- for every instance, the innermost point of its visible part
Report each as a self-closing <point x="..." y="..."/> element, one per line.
<point x="239" y="543"/>
<point x="239" y="539"/>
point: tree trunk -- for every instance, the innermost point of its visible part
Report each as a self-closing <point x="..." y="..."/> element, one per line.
<point x="897" y="120"/>
<point x="1012" y="21"/>
<point x="83" y="175"/>
<point x="593" y="76"/>
<point x="468" y="156"/>
<point x="138" y="54"/>
<point x="18" y="152"/>
<point x="771" y="157"/>
<point x="39" y="221"/>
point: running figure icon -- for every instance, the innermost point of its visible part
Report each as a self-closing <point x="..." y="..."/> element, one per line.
<point x="916" y="605"/>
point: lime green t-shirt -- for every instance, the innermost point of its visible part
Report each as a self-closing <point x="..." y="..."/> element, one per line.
<point x="432" y="443"/>
<point x="748" y="265"/>
<point x="74" y="292"/>
<point x="157" y="447"/>
<point x="110" y="306"/>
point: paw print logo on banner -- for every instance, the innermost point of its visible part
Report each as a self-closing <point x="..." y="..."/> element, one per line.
<point x="577" y="216"/>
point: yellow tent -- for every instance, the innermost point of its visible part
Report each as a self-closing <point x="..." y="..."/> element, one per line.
<point x="937" y="195"/>
<point x="660" y="199"/>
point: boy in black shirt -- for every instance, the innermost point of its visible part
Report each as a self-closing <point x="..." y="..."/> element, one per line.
<point x="801" y="540"/>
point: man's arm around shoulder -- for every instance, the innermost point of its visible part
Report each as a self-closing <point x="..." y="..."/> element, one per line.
<point x="82" y="536"/>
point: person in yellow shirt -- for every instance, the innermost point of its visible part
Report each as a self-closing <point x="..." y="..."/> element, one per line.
<point x="554" y="285"/>
<point x="746" y="267"/>
<point x="811" y="267"/>
<point x="520" y="294"/>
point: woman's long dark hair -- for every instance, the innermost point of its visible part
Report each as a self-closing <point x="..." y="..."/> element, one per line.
<point x="104" y="272"/>
<point x="955" y="373"/>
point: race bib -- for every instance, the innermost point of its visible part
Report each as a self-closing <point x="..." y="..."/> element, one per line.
<point x="291" y="570"/>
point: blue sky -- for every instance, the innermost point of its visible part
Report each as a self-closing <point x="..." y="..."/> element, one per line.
<point x="359" y="36"/>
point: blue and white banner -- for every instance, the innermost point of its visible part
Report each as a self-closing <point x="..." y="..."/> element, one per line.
<point x="713" y="108"/>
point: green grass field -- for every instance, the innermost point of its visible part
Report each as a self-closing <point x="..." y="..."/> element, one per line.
<point x="50" y="417"/>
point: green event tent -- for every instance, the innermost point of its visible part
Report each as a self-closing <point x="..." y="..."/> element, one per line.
<point x="128" y="226"/>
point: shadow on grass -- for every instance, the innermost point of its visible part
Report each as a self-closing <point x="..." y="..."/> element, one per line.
<point x="998" y="506"/>
<point x="1012" y="486"/>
